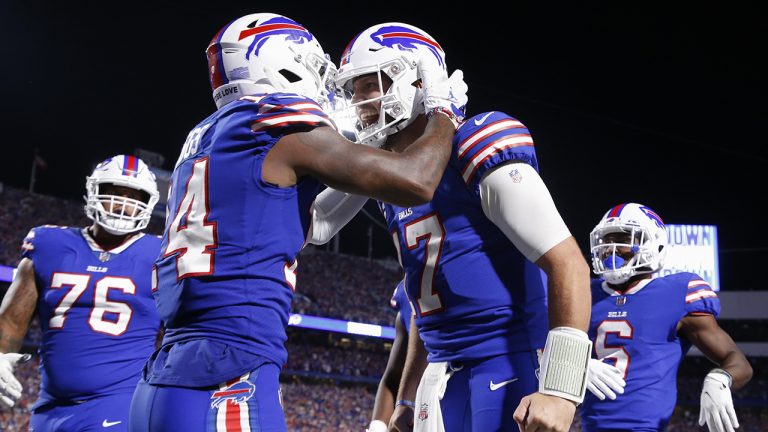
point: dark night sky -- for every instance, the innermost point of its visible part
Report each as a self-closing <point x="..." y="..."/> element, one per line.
<point x="626" y="102"/>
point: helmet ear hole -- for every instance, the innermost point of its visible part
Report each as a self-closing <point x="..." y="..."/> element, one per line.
<point x="290" y="76"/>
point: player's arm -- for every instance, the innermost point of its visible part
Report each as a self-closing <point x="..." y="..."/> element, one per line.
<point x="16" y="312"/>
<point x="734" y="370"/>
<point x="522" y="207"/>
<point x="406" y="179"/>
<point x="415" y="363"/>
<point x="384" y="404"/>
<point x="17" y="307"/>
<point x="704" y="332"/>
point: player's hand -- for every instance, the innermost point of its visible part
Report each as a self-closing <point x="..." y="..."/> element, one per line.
<point x="538" y="412"/>
<point x="377" y="426"/>
<point x="401" y="420"/>
<point x="604" y="380"/>
<point x="717" y="405"/>
<point x="10" y="387"/>
<point x="441" y="93"/>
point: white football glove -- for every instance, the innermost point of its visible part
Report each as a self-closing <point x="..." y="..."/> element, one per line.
<point x="716" y="403"/>
<point x="10" y="387"/>
<point x="443" y="94"/>
<point x="377" y="426"/>
<point x="604" y="380"/>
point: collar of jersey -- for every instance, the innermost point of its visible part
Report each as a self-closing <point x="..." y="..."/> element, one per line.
<point x="95" y="246"/>
<point x="612" y="292"/>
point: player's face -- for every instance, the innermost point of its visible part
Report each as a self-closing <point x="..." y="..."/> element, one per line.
<point x="622" y="238"/>
<point x="122" y="191"/>
<point x="366" y="87"/>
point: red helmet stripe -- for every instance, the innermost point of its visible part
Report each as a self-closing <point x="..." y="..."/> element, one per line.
<point x="269" y="27"/>
<point x="616" y="210"/>
<point x="130" y="166"/>
<point x="413" y="36"/>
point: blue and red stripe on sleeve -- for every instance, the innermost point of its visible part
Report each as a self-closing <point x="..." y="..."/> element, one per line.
<point x="489" y="139"/>
<point x="700" y="298"/>
<point x="278" y="111"/>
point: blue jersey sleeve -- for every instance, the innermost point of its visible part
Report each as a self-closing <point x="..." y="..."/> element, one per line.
<point x="279" y="113"/>
<point x="489" y="139"/>
<point x="34" y="238"/>
<point x="28" y="245"/>
<point x="700" y="298"/>
<point x="400" y="303"/>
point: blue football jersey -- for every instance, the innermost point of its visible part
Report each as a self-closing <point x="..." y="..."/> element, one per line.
<point x="401" y="304"/>
<point x="97" y="315"/>
<point x="227" y="269"/>
<point x="475" y="295"/>
<point x="637" y="332"/>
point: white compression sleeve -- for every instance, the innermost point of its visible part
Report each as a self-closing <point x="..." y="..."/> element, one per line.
<point x="515" y="199"/>
<point x="332" y="210"/>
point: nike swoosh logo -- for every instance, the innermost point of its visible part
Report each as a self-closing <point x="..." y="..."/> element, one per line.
<point x="480" y="121"/>
<point x="495" y="386"/>
<point x="106" y="423"/>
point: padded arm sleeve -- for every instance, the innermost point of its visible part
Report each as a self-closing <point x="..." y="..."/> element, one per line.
<point x="331" y="211"/>
<point x="515" y="198"/>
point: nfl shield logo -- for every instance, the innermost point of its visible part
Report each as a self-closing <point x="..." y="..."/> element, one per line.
<point x="423" y="414"/>
<point x="621" y="301"/>
<point x="104" y="256"/>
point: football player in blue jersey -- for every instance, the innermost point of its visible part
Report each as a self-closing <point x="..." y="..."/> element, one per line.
<point x="384" y="403"/>
<point x="643" y="326"/>
<point x="238" y="214"/>
<point x="473" y="256"/>
<point x="92" y="290"/>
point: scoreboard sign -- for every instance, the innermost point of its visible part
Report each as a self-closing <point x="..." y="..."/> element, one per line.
<point x="693" y="248"/>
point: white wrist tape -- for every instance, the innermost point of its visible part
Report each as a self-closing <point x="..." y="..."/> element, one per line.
<point x="377" y="426"/>
<point x="564" y="364"/>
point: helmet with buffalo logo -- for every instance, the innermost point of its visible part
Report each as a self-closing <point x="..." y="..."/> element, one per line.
<point x="267" y="53"/>
<point x="389" y="50"/>
<point x="630" y="239"/>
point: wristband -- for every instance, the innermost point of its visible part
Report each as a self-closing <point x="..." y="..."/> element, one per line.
<point x="565" y="364"/>
<point x="724" y="372"/>
<point x="448" y="113"/>
<point x="405" y="402"/>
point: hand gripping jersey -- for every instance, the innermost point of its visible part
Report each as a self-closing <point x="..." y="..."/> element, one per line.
<point x="475" y="295"/>
<point x="227" y="267"/>
<point x="96" y="312"/>
<point x="637" y="332"/>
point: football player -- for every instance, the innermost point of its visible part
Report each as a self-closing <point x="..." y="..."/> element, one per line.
<point x="473" y="256"/>
<point x="643" y="326"/>
<point x="92" y="290"/>
<point x="239" y="212"/>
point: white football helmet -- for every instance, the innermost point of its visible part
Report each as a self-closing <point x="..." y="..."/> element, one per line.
<point x="646" y="242"/>
<point x="392" y="49"/>
<point x="120" y="215"/>
<point x="267" y="53"/>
